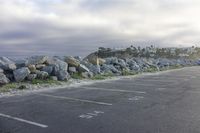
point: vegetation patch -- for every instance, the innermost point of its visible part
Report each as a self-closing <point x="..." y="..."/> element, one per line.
<point x="47" y="81"/>
<point x="175" y="67"/>
<point x="8" y="87"/>
<point x="98" y="77"/>
<point x="151" y="69"/>
<point x="126" y="72"/>
<point x="22" y="87"/>
<point x="77" y="76"/>
<point x="109" y="74"/>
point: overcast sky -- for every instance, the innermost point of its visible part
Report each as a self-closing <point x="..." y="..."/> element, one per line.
<point x="76" y="27"/>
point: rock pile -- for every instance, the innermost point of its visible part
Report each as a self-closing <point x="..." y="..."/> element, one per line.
<point x="56" y="68"/>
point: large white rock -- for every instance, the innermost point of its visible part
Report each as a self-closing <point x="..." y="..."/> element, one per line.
<point x="59" y="68"/>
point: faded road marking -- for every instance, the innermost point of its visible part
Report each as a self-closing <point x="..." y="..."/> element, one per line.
<point x="136" y="98"/>
<point x="114" y="90"/>
<point x="160" y="89"/>
<point x="75" y="99"/>
<point x="23" y="120"/>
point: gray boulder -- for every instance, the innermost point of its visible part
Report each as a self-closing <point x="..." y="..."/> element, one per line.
<point x="3" y="79"/>
<point x="111" y="60"/>
<point x="53" y="78"/>
<point x="48" y="69"/>
<point x="57" y="64"/>
<point x="87" y="74"/>
<point x="59" y="68"/>
<point x="72" y="69"/>
<point x="197" y="62"/>
<point x="32" y="68"/>
<point x="83" y="68"/>
<point x="78" y="58"/>
<point x="95" y="69"/>
<point x="42" y="74"/>
<point x="21" y="73"/>
<point x="163" y="63"/>
<point x="31" y="77"/>
<point x="71" y="61"/>
<point x="140" y="62"/>
<point x="122" y="63"/>
<point x="63" y="75"/>
<point x="20" y="63"/>
<point x="109" y="68"/>
<point x="94" y="59"/>
<point x="40" y="66"/>
<point x="10" y="76"/>
<point x="132" y="65"/>
<point x="7" y="64"/>
<point x="34" y="60"/>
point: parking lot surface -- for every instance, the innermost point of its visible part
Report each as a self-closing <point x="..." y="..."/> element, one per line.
<point x="168" y="102"/>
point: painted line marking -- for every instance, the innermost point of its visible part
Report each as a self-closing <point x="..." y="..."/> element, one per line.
<point x="75" y="99"/>
<point x="113" y="90"/>
<point x="91" y="115"/>
<point x="23" y="120"/>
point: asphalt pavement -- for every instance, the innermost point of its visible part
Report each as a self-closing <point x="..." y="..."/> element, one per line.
<point x="168" y="102"/>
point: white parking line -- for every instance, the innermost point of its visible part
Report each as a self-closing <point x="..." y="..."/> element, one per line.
<point x="75" y="99"/>
<point x="23" y="120"/>
<point x="114" y="90"/>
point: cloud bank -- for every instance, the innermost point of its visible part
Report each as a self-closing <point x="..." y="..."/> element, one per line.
<point x="76" y="27"/>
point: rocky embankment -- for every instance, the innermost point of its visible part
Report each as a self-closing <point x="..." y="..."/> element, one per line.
<point x="62" y="69"/>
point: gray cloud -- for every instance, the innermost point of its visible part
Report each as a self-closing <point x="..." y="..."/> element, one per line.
<point x="77" y="27"/>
